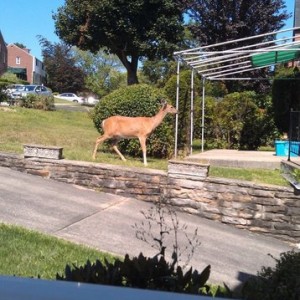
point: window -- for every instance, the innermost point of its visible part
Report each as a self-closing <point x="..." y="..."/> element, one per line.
<point x="18" y="60"/>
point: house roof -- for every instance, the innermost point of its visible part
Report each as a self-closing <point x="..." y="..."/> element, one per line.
<point x="26" y="50"/>
<point x="242" y="55"/>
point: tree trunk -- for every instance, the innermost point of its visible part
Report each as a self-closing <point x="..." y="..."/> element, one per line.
<point x="131" y="67"/>
<point x="132" y="76"/>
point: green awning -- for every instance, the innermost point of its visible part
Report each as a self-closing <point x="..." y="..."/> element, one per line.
<point x="274" y="57"/>
<point x="16" y="70"/>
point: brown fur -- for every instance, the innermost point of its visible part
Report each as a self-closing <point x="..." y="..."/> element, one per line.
<point x="120" y="127"/>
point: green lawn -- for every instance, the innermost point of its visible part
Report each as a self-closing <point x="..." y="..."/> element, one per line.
<point x="254" y="175"/>
<point x="75" y="132"/>
<point x="72" y="130"/>
<point x="27" y="253"/>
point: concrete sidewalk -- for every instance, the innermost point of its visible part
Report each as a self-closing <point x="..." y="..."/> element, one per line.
<point x="240" y="159"/>
<point x="106" y="222"/>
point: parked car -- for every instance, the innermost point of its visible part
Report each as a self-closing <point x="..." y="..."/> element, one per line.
<point x="31" y="89"/>
<point x="12" y="88"/>
<point x="92" y="100"/>
<point x="70" y="97"/>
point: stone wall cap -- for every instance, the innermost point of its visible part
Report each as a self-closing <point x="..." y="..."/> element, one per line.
<point x="41" y="146"/>
<point x="184" y="162"/>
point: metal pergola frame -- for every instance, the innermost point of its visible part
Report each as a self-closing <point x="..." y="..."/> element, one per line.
<point x="213" y="63"/>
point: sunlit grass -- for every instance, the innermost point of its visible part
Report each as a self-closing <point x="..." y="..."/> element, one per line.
<point x="75" y="132"/>
<point x="254" y="175"/>
<point x="27" y="253"/>
<point x="56" y="128"/>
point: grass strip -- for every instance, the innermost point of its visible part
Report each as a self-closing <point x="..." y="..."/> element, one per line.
<point x="75" y="132"/>
<point x="27" y="253"/>
<point x="254" y="175"/>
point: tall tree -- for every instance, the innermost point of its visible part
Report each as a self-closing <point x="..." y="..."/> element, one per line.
<point x="217" y="21"/>
<point x="62" y="73"/>
<point x="104" y="73"/>
<point x="130" y="29"/>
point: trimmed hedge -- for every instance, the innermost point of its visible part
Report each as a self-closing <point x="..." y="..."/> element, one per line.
<point x="133" y="101"/>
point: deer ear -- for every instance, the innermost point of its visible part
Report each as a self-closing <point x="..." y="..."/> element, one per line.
<point x="163" y="102"/>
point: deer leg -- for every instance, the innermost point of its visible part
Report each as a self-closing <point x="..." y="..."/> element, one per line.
<point x="117" y="150"/>
<point x="99" y="140"/>
<point x="144" y="149"/>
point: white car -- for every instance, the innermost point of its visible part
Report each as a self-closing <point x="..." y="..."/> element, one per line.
<point x="71" y="97"/>
<point x="92" y="100"/>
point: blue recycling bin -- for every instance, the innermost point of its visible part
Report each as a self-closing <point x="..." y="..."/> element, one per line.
<point x="282" y="148"/>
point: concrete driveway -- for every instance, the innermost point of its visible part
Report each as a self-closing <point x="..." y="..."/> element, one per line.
<point x="70" y="106"/>
<point x="106" y="222"/>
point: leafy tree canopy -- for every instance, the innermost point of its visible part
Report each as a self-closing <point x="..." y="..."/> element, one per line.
<point x="20" y="45"/>
<point x="130" y="29"/>
<point x="217" y="21"/>
<point x="63" y="74"/>
<point x="104" y="72"/>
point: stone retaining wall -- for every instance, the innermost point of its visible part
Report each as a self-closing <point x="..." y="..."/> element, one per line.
<point x="267" y="209"/>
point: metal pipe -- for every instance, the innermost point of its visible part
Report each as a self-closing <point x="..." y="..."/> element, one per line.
<point x="177" y="107"/>
<point x="238" y="40"/>
<point x="203" y="113"/>
<point x="192" y="111"/>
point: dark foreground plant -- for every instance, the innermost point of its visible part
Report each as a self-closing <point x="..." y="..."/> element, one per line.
<point x="162" y="228"/>
<point x="279" y="283"/>
<point x="153" y="273"/>
<point x="161" y="224"/>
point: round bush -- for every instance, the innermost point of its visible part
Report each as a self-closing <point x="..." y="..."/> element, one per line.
<point x="38" y="102"/>
<point x="279" y="283"/>
<point x="133" y="101"/>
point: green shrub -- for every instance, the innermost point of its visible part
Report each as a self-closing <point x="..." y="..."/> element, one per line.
<point x="3" y="96"/>
<point x="213" y="90"/>
<point x="238" y="123"/>
<point x="296" y="174"/>
<point x="279" y="283"/>
<point x="132" y="101"/>
<point x="38" y="102"/>
<point x="141" y="272"/>
<point x="285" y="96"/>
<point x="184" y="127"/>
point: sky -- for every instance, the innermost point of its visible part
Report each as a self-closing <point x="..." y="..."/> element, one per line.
<point x="21" y="21"/>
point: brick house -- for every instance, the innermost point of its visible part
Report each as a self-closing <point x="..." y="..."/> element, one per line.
<point x="3" y="55"/>
<point x="25" y="65"/>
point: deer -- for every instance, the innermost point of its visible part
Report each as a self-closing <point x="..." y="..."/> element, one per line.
<point x="116" y="128"/>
